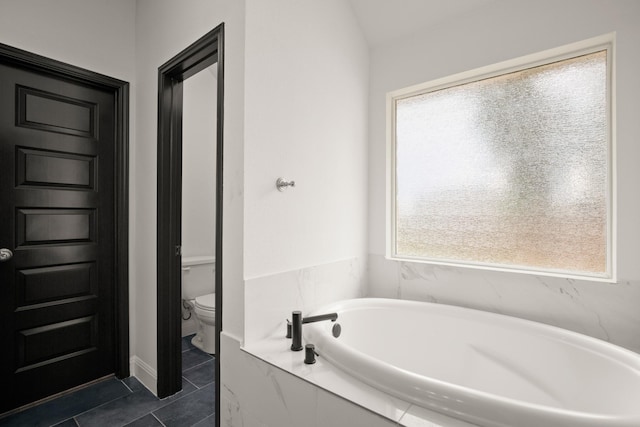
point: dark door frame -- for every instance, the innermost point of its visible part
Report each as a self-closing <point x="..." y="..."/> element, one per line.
<point x="207" y="51"/>
<point x="120" y="89"/>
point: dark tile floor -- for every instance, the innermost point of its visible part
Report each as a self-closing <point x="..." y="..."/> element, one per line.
<point x="127" y="402"/>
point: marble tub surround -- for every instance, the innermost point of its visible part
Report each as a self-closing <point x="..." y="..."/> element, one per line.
<point x="301" y="395"/>
<point x="269" y="300"/>
<point x="315" y="395"/>
<point x="608" y="311"/>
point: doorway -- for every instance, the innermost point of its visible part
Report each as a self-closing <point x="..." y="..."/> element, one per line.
<point x="202" y="54"/>
<point x="198" y="207"/>
<point x="63" y="227"/>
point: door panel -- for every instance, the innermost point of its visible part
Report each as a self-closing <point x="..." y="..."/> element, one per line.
<point x="57" y="153"/>
<point x="40" y="285"/>
<point x="55" y="113"/>
<point x="48" y="168"/>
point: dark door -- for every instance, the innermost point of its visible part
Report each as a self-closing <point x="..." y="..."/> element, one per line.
<point x="57" y="219"/>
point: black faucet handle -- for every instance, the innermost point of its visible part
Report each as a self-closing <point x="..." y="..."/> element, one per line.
<point x="310" y="354"/>
<point x="288" y="328"/>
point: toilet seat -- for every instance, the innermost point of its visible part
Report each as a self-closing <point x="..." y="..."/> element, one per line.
<point x="206" y="302"/>
<point x="205" y="309"/>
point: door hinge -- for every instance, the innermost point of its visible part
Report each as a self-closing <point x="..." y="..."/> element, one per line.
<point x="178" y="250"/>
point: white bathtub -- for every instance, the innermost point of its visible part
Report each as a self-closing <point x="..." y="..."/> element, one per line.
<point x="484" y="368"/>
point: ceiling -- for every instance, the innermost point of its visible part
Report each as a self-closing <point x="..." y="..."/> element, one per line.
<point x="385" y="20"/>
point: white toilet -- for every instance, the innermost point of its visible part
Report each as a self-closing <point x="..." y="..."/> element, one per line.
<point x="198" y="277"/>
<point x="205" y="308"/>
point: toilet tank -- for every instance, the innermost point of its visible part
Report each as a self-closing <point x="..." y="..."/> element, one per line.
<point x="198" y="276"/>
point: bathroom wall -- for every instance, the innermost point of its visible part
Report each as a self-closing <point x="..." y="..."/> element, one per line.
<point x="93" y="34"/>
<point x="306" y="91"/>
<point x="163" y="29"/>
<point x="305" y="121"/>
<point x="501" y="31"/>
<point x="199" y="164"/>
<point x="306" y="111"/>
<point x="271" y="299"/>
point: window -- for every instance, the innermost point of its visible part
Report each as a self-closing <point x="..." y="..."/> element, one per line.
<point x="507" y="170"/>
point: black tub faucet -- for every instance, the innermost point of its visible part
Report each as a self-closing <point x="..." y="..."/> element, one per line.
<point x="296" y="326"/>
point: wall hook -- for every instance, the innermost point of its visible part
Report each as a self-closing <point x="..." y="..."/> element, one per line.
<point x="281" y="184"/>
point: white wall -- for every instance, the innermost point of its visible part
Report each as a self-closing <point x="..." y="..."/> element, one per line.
<point x="505" y="30"/>
<point x="163" y="29"/>
<point x="306" y="111"/>
<point x="306" y="89"/>
<point x="199" y="98"/>
<point x="93" y="34"/>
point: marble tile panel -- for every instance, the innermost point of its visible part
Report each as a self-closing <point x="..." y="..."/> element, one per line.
<point x="271" y="299"/>
<point x="607" y="311"/>
<point x="258" y="393"/>
<point x="417" y="416"/>
<point x="334" y="411"/>
<point x="321" y="375"/>
<point x="230" y="413"/>
<point x="382" y="279"/>
<point x="276" y="398"/>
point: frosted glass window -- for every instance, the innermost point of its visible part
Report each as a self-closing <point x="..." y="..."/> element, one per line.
<point x="508" y="171"/>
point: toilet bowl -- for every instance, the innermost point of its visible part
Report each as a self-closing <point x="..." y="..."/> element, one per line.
<point x="205" y="309"/>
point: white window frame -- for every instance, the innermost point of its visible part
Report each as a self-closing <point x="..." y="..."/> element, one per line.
<point x="604" y="42"/>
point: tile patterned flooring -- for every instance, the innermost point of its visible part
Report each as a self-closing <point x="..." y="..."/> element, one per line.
<point x="127" y="402"/>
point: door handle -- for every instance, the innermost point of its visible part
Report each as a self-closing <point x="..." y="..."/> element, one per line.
<point x="5" y="255"/>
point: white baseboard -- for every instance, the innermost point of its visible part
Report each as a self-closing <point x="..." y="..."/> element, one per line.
<point x="147" y="375"/>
